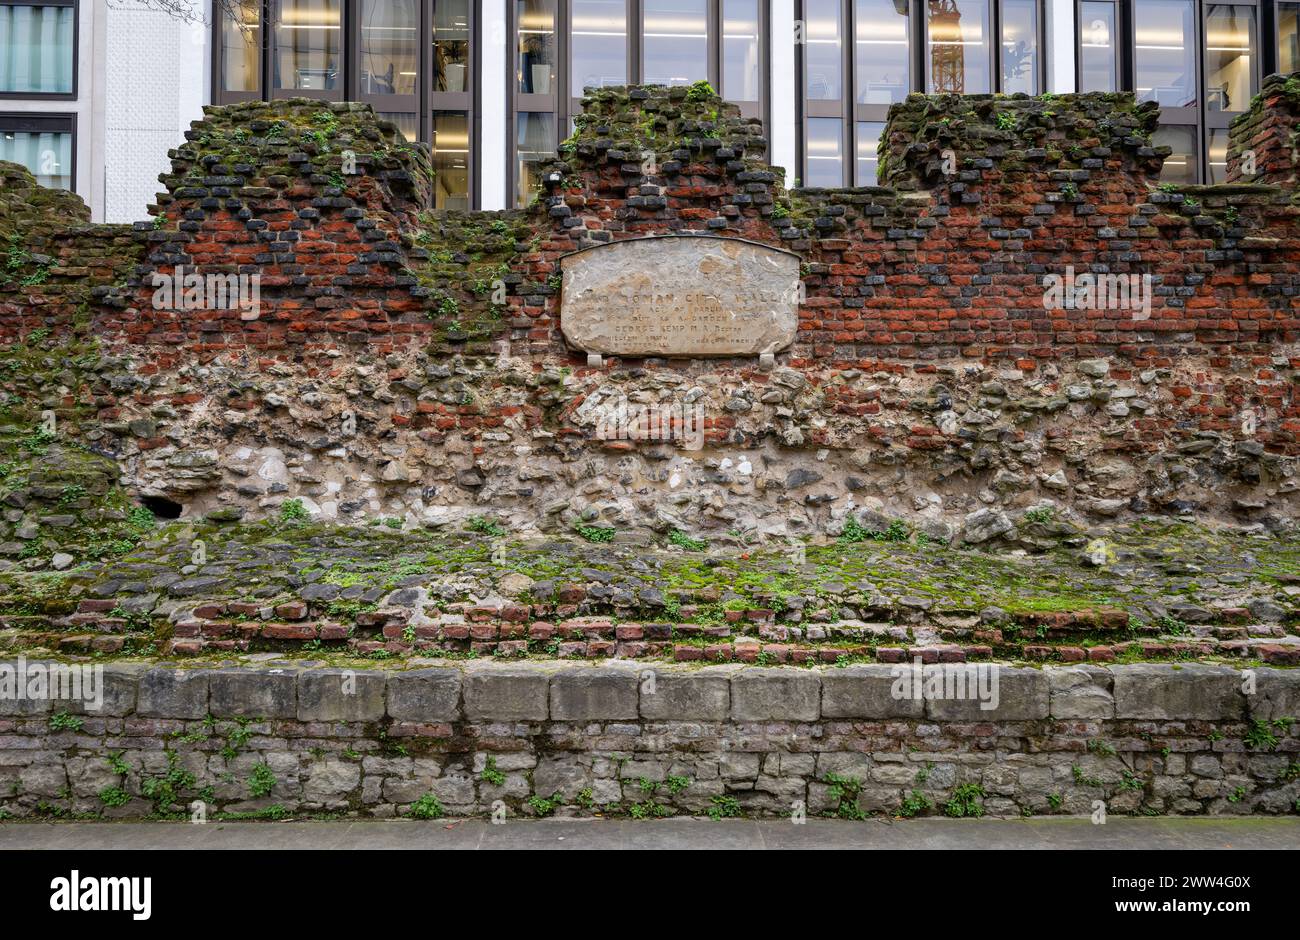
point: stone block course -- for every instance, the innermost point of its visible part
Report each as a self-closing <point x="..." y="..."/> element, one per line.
<point x="120" y="688"/>
<point x="605" y="738"/>
<point x="1276" y="695"/>
<point x="866" y="692"/>
<point x="253" y="693"/>
<point x="1173" y="692"/>
<point x="507" y="694"/>
<point x="1022" y="695"/>
<point x="587" y="694"/>
<point x="701" y="695"/>
<point x="341" y="695"/>
<point x="775" y="695"/>
<point x="167" y="692"/>
<point x="1081" y="692"/>
<point x="425" y="695"/>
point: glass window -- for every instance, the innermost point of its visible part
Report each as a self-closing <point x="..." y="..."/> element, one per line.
<point x="880" y="50"/>
<point x="1019" y="56"/>
<point x="1165" y="52"/>
<point x="868" y="162"/>
<point x="308" y="45"/>
<point x="450" y="147"/>
<point x="536" y="66"/>
<point x="1288" y="37"/>
<point x="1181" y="166"/>
<point x="1217" y="164"/>
<point x="36" y="49"/>
<point x="389" y="46"/>
<point x="740" y="50"/>
<point x="47" y="154"/>
<point x="825" y="153"/>
<point x="241" y="49"/>
<point x="1229" y="56"/>
<point x="535" y="145"/>
<point x="957" y="47"/>
<point x="822" y="59"/>
<point x="599" y="44"/>
<point x="1098" y="53"/>
<point x="675" y="42"/>
<point x="451" y="51"/>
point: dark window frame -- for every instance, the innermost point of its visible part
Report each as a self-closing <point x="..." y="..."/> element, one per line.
<point x="403" y="104"/>
<point x="1199" y="117"/>
<point x="1272" y="32"/>
<point x="76" y="53"/>
<point x="761" y="108"/>
<point x="62" y="122"/>
<point x="1218" y="120"/>
<point x="468" y="101"/>
<point x="348" y="24"/>
<point x="1124" y="51"/>
<point x="220" y="95"/>
<point x="996" y="19"/>
<point x="552" y="103"/>
<point x="632" y="52"/>
<point x="845" y="107"/>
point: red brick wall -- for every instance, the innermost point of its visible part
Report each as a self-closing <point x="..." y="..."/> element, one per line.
<point x="947" y="261"/>
<point x="953" y="264"/>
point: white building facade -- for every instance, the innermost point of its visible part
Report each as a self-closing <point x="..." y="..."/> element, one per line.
<point x="93" y="93"/>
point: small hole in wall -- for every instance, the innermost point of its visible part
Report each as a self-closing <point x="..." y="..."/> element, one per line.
<point x="161" y="506"/>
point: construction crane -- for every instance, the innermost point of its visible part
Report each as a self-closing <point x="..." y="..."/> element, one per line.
<point x="947" y="54"/>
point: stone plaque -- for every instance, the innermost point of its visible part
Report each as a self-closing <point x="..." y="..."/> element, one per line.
<point x="680" y="295"/>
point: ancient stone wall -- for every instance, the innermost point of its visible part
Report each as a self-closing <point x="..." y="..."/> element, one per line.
<point x="394" y="454"/>
<point x="410" y="365"/>
<point x="654" y="741"/>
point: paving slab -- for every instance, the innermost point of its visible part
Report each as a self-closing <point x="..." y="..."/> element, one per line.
<point x="686" y="833"/>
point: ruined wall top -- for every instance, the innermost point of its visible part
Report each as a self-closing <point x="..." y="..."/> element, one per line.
<point x="258" y="149"/>
<point x="1018" y="136"/>
<point x="26" y="206"/>
<point x="1262" y="141"/>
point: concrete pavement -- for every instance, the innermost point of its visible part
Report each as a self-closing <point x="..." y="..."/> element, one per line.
<point x="1053" y="833"/>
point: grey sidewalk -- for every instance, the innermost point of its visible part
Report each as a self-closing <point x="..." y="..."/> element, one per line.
<point x="1057" y="833"/>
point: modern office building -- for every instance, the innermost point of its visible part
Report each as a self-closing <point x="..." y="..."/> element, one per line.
<point x="93" y="94"/>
